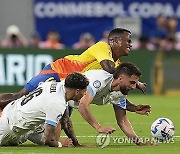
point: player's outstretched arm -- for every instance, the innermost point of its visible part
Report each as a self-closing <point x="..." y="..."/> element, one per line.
<point x="126" y="127"/>
<point x="124" y="124"/>
<point x="86" y="112"/>
<point x="88" y="116"/>
<point x="6" y="98"/>
<point x="68" y="128"/>
<point x="142" y="109"/>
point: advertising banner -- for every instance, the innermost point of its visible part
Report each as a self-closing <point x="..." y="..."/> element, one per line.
<point x="71" y="18"/>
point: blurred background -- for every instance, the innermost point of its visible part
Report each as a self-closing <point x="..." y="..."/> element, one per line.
<point x="34" y="33"/>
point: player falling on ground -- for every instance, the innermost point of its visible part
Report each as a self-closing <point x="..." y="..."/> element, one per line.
<point x="100" y="56"/>
<point x="46" y="104"/>
<point x="113" y="88"/>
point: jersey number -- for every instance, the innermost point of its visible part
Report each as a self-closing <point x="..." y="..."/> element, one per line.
<point x="35" y="93"/>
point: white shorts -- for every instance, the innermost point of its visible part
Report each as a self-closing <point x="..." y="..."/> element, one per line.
<point x="9" y="138"/>
<point x="11" y="135"/>
<point x="7" y="135"/>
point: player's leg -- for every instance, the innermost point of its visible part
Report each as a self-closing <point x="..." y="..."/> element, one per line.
<point x="34" y="82"/>
<point x="6" y="98"/>
<point x="46" y="75"/>
<point x="7" y="136"/>
<point x="37" y="137"/>
<point x="2" y="130"/>
<point x="7" y="139"/>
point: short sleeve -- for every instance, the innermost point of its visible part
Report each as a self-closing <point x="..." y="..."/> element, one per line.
<point x="98" y="81"/>
<point x="54" y="113"/>
<point x="121" y="104"/>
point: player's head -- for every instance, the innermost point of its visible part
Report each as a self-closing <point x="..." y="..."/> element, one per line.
<point x="120" y="42"/>
<point x="76" y="86"/>
<point x="126" y="77"/>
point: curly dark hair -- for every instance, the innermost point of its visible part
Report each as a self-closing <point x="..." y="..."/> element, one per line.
<point x="128" y="69"/>
<point x="76" y="80"/>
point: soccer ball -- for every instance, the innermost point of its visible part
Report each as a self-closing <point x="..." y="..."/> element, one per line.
<point x="162" y="129"/>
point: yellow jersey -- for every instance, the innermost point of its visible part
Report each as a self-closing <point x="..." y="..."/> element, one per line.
<point x="88" y="60"/>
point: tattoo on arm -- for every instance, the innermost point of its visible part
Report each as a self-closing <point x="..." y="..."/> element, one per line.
<point x="68" y="127"/>
<point x="49" y="136"/>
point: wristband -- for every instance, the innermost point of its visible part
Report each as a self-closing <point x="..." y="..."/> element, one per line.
<point x="59" y="144"/>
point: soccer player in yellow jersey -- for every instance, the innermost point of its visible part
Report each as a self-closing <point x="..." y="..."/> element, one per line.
<point x="102" y="55"/>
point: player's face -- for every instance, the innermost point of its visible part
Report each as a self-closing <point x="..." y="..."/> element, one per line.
<point x="126" y="43"/>
<point x="127" y="83"/>
<point x="79" y="93"/>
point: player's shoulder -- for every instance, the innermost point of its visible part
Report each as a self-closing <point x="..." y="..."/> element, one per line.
<point x="99" y="49"/>
<point x="96" y="71"/>
<point x="101" y="43"/>
<point x="98" y="74"/>
<point x="98" y="79"/>
<point x="52" y="87"/>
<point x="56" y="93"/>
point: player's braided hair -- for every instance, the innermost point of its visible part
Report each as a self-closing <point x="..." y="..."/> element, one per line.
<point x="128" y="69"/>
<point x="76" y="80"/>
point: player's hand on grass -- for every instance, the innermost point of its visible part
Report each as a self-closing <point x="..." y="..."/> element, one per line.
<point x="106" y="130"/>
<point x="66" y="142"/>
<point x="147" y="144"/>
<point x="79" y="145"/>
<point x="143" y="109"/>
<point x="142" y="87"/>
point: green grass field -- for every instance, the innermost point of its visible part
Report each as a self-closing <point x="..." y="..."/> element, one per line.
<point x="162" y="106"/>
